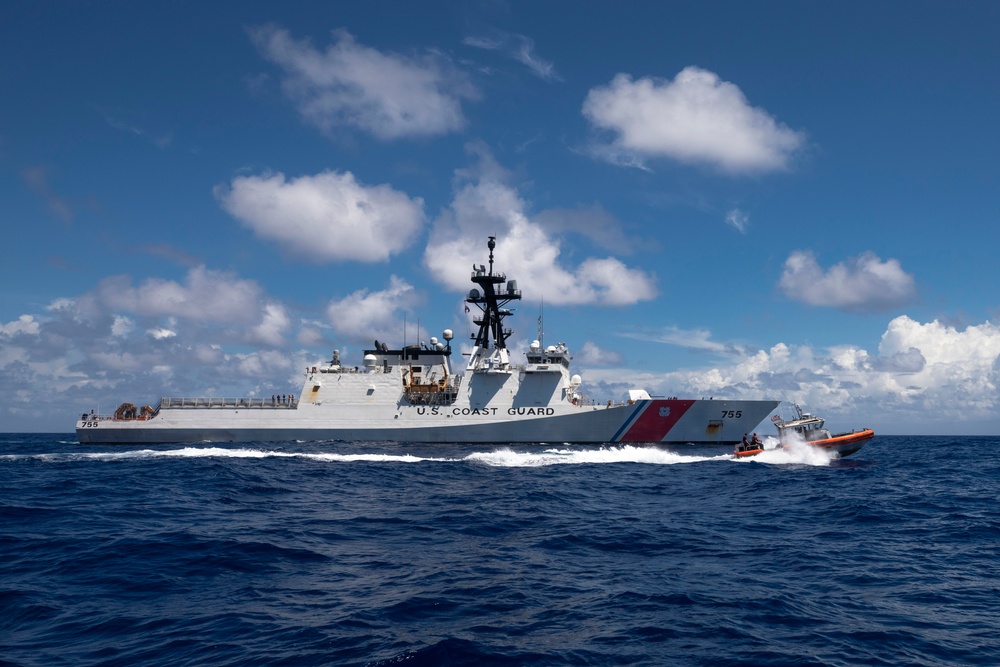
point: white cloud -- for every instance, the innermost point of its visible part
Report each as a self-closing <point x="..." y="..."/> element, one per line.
<point x="208" y="354"/>
<point x="122" y="326"/>
<point x="591" y="354"/>
<point x="273" y="325"/>
<point x="26" y="324"/>
<point x="58" y="305"/>
<point x="923" y="375"/>
<point x="738" y="220"/>
<point x="206" y="295"/>
<point x="861" y="284"/>
<point x="911" y="361"/>
<point x="161" y="333"/>
<point x="365" y="314"/>
<point x="117" y="361"/>
<point x="388" y="95"/>
<point x="326" y="217"/>
<point x="261" y="365"/>
<point x="486" y="205"/>
<point x="518" y="47"/>
<point x="691" y="339"/>
<point x="310" y="336"/>
<point x="207" y="334"/>
<point x="695" y="118"/>
<point x="939" y="344"/>
<point x="207" y="301"/>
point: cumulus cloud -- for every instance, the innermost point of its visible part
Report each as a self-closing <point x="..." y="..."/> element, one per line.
<point x="940" y="344"/>
<point x="205" y="295"/>
<point x="517" y="47"/>
<point x="365" y="313"/>
<point x="273" y="325"/>
<point x="923" y="375"/>
<point x="122" y="326"/>
<point x="591" y="354"/>
<point x="861" y="284"/>
<point x="695" y="118"/>
<point x="25" y="324"/>
<point x="161" y="333"/>
<point x="911" y="361"/>
<point x="348" y="84"/>
<point x="206" y="302"/>
<point x="485" y="204"/>
<point x="326" y="217"/>
<point x="208" y="334"/>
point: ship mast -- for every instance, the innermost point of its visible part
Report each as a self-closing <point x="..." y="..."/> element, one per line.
<point x="541" y="331"/>
<point x="491" y="298"/>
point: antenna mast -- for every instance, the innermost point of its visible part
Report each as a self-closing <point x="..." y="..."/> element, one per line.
<point x="492" y="297"/>
<point x="541" y="315"/>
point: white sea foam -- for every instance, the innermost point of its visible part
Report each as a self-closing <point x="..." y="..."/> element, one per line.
<point x="795" y="450"/>
<point x="509" y="458"/>
<point x="378" y="458"/>
<point x="505" y="457"/>
<point x="185" y="452"/>
<point x="221" y="452"/>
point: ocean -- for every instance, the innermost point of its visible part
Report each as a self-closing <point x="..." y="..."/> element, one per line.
<point x="377" y="554"/>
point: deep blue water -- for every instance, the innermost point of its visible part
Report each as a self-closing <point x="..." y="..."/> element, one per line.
<point x="379" y="554"/>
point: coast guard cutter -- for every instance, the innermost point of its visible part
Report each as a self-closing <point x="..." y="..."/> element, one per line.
<point x="412" y="394"/>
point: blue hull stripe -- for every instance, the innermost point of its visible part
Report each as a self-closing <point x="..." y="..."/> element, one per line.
<point x="631" y="420"/>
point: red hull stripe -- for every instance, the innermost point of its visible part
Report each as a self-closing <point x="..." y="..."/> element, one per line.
<point x="653" y="423"/>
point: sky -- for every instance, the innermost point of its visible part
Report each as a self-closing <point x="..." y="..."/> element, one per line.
<point x="768" y="200"/>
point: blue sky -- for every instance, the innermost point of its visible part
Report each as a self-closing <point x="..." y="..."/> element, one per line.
<point x="765" y="200"/>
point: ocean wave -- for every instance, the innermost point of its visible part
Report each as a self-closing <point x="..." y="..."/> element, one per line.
<point x="328" y="553"/>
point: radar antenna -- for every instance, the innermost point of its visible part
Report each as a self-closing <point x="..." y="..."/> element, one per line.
<point x="491" y="298"/>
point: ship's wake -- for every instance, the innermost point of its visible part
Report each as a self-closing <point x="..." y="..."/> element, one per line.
<point x="794" y="451"/>
<point x="501" y="457"/>
<point x="509" y="458"/>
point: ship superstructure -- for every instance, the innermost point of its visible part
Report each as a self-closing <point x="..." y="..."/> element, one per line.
<point x="413" y="394"/>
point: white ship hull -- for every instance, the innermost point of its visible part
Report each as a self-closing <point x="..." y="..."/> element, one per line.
<point x="413" y="395"/>
<point x="648" y="421"/>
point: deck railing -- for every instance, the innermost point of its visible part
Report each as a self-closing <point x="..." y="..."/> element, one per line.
<point x="256" y="403"/>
